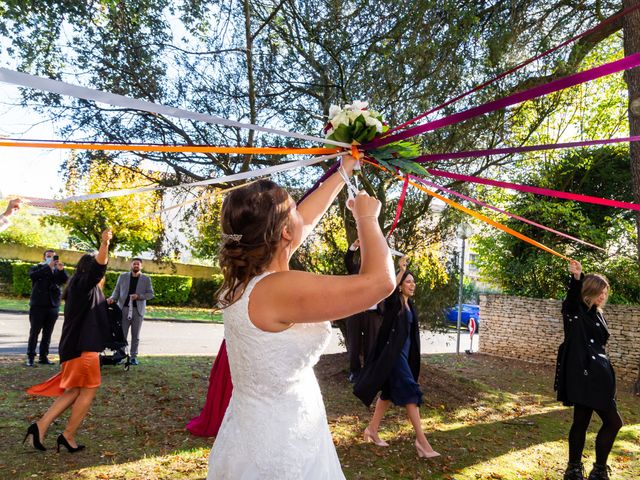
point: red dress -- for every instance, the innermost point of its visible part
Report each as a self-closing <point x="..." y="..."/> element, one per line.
<point x="208" y="422"/>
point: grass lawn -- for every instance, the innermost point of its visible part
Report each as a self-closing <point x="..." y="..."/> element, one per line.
<point x="490" y="418"/>
<point x="188" y="314"/>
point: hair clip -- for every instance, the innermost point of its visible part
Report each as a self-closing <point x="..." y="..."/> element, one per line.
<point x="231" y="236"/>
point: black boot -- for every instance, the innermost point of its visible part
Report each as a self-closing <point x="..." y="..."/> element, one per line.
<point x="599" y="472"/>
<point x="574" y="471"/>
<point x="30" y="361"/>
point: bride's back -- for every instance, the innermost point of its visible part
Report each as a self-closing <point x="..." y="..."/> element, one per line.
<point x="265" y="364"/>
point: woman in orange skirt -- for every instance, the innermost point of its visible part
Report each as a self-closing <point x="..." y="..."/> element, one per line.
<point x="83" y="332"/>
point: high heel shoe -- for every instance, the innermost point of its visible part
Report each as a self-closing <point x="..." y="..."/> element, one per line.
<point x="422" y="453"/>
<point x="65" y="443"/>
<point x="370" y="438"/>
<point x="35" y="437"/>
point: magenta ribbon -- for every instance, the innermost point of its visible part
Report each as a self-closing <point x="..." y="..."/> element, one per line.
<point x="405" y="186"/>
<point x="609" y="20"/>
<point x="332" y="169"/>
<point x="576" y="197"/>
<point x="434" y="157"/>
<point x="541" y="90"/>
<point x="504" y="212"/>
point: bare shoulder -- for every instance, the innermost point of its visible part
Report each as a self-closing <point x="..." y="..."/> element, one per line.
<point x="268" y="298"/>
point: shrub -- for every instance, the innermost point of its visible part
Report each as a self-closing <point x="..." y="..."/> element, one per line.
<point x="170" y="289"/>
<point x="203" y="291"/>
<point x="21" y="283"/>
<point x="6" y="271"/>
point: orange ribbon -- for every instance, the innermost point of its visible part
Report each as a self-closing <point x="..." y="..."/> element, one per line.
<point x="172" y="148"/>
<point x="475" y="214"/>
<point x="355" y="153"/>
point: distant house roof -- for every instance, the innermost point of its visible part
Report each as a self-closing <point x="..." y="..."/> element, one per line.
<point x="42" y="203"/>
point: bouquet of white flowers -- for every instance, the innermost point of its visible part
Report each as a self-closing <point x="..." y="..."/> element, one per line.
<point x="357" y="125"/>
<point x="354" y="124"/>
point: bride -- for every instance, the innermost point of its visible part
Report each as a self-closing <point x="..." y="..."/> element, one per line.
<point x="277" y="325"/>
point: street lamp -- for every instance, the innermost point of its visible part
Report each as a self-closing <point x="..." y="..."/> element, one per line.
<point x="464" y="231"/>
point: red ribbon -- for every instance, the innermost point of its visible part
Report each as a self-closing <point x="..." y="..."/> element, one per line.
<point x="576" y="197"/>
<point x="434" y="157"/>
<point x="504" y="212"/>
<point x="623" y="64"/>
<point x="609" y="20"/>
<point x="405" y="186"/>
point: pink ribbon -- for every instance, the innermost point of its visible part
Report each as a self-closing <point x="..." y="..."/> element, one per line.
<point x="504" y="212"/>
<point x="609" y="20"/>
<point x="541" y="90"/>
<point x="434" y="157"/>
<point x="576" y="197"/>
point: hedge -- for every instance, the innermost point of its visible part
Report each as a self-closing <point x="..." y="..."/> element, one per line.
<point x="21" y="283"/>
<point x="168" y="289"/>
<point x="203" y="291"/>
<point x="6" y="271"/>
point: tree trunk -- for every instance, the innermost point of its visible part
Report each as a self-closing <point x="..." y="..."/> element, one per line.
<point x="631" y="28"/>
<point x="253" y="117"/>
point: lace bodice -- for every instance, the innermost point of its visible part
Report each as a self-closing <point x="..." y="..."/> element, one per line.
<point x="275" y="425"/>
<point x="266" y="364"/>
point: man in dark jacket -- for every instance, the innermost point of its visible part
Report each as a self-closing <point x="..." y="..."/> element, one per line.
<point x="363" y="327"/>
<point x="47" y="278"/>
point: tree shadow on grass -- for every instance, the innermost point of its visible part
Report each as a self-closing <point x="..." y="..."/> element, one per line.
<point x="137" y="414"/>
<point x="476" y="410"/>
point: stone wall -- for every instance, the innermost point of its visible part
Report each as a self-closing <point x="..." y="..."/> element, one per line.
<point x="530" y="329"/>
<point x="33" y="254"/>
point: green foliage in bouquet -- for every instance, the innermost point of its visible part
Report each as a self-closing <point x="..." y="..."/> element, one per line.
<point x="355" y="124"/>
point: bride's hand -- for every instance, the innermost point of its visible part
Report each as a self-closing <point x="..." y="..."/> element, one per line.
<point x="348" y="163"/>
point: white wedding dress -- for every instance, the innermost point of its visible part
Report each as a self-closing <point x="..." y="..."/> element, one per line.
<point x="275" y="427"/>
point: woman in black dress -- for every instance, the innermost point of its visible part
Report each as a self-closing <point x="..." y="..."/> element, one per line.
<point x="584" y="376"/>
<point x="395" y="366"/>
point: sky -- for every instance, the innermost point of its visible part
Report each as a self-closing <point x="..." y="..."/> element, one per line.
<point x="26" y="171"/>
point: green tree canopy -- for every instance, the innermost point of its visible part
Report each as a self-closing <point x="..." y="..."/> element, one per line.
<point x="519" y="268"/>
<point x="135" y="228"/>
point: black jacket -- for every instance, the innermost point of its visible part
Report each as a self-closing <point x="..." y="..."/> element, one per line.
<point x="353" y="265"/>
<point x="86" y="325"/>
<point x="393" y="333"/>
<point x="46" y="282"/>
<point x="584" y="374"/>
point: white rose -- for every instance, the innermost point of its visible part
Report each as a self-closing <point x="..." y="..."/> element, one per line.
<point x="359" y="105"/>
<point x="333" y="111"/>
<point x="353" y="114"/>
<point x="374" y="122"/>
<point x="340" y="119"/>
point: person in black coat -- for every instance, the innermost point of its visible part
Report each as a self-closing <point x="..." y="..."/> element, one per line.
<point x="363" y="327"/>
<point x="585" y="378"/>
<point x="46" y="279"/>
<point x="395" y="366"/>
<point x="84" y="332"/>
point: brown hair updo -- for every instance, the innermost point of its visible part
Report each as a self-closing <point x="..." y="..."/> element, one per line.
<point x="257" y="213"/>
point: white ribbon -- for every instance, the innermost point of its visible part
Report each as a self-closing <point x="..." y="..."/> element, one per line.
<point x="196" y="199"/>
<point x="212" y="181"/>
<point x="63" y="88"/>
<point x="130" y="308"/>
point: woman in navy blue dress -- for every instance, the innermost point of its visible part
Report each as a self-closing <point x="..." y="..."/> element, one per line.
<point x="395" y="366"/>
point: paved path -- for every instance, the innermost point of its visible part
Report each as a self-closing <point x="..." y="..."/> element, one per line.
<point x="181" y="338"/>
